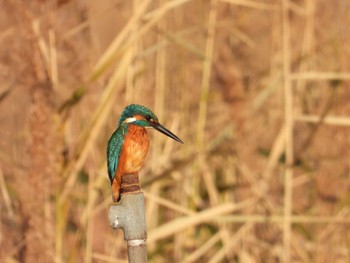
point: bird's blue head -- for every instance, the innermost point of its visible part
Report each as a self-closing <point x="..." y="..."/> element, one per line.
<point x="138" y="115"/>
<point x="141" y="116"/>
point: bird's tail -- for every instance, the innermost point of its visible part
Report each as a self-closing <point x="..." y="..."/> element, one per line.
<point x="116" y="190"/>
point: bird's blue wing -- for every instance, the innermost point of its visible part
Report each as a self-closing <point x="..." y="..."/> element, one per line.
<point x="114" y="148"/>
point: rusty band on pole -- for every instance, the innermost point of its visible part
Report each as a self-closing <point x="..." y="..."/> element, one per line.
<point x="130" y="183"/>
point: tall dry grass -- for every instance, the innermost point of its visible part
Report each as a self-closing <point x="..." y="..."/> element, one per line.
<point x="256" y="89"/>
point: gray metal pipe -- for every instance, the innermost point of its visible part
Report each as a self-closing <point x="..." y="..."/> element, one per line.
<point x="129" y="215"/>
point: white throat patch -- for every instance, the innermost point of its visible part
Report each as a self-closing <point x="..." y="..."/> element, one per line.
<point x="129" y="120"/>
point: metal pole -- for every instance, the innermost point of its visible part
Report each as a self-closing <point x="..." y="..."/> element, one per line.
<point x="129" y="215"/>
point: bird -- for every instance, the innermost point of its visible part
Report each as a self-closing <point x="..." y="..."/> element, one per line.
<point x="128" y="146"/>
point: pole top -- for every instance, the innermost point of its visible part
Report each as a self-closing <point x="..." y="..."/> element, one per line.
<point x="129" y="215"/>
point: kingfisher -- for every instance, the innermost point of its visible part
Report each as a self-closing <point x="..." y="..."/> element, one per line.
<point x="128" y="146"/>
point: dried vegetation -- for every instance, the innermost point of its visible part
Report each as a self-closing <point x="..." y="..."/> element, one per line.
<point x="258" y="90"/>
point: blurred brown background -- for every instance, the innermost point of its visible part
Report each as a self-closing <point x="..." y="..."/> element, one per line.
<point x="258" y="90"/>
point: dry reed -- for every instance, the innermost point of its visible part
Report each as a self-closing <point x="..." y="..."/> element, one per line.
<point x="246" y="84"/>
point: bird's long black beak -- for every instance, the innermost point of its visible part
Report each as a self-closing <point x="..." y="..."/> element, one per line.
<point x="165" y="131"/>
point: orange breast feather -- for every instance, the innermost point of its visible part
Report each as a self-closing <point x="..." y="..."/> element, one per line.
<point x="136" y="146"/>
<point x="132" y="156"/>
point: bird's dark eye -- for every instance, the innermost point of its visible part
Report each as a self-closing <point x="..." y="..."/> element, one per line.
<point x="148" y="117"/>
